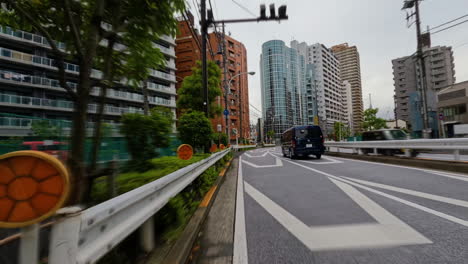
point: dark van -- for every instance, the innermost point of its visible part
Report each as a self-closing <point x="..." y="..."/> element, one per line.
<point x="302" y="141"/>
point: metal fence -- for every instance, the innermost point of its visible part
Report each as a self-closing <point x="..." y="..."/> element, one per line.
<point x="449" y="144"/>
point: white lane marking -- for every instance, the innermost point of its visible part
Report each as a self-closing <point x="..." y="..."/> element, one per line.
<point x="411" y="192"/>
<point x="278" y="163"/>
<point x="331" y="161"/>
<point x="240" y="255"/>
<point x="450" y="175"/>
<point x="256" y="156"/>
<point x="392" y="232"/>
<point x="441" y="173"/>
<point x="415" y="205"/>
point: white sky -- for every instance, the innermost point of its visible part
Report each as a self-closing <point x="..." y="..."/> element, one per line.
<point x="376" y="27"/>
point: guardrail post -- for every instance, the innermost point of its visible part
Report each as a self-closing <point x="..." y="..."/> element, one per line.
<point x="29" y="245"/>
<point x="64" y="238"/>
<point x="147" y="235"/>
<point x="456" y="154"/>
<point x="338" y="149"/>
<point x="359" y="151"/>
<point x="407" y="153"/>
<point x="375" y="151"/>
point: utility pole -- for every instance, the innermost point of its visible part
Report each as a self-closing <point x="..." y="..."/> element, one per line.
<point x="204" y="35"/>
<point x="420" y="57"/>
<point x="422" y="66"/>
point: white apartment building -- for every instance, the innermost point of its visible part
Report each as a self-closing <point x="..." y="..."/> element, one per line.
<point x="326" y="84"/>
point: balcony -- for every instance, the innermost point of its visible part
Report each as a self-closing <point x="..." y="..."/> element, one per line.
<point x="161" y="88"/>
<point x="167" y="51"/>
<point x="163" y="75"/>
<point x="27" y="37"/>
<point x="29" y="80"/>
<point x="168" y="39"/>
<point x="21" y="122"/>
<point x="26" y="58"/>
<point x="34" y="102"/>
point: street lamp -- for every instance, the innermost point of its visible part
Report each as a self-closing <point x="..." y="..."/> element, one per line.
<point x="226" y="102"/>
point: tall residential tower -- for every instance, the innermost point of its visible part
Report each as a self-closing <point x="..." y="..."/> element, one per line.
<point x="350" y="70"/>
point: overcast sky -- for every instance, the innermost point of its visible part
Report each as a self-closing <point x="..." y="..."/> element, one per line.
<point x="377" y="27"/>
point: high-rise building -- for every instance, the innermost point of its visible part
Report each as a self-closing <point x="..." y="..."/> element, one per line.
<point x="325" y="83"/>
<point x="30" y="90"/>
<point x="188" y="53"/>
<point x="350" y="70"/>
<point x="283" y="84"/>
<point x="440" y="72"/>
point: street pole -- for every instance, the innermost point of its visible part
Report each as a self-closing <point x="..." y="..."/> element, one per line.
<point x="420" y="56"/>
<point x="226" y="88"/>
<point x="204" y="35"/>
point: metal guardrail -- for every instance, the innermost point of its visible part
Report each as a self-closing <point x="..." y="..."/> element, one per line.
<point x="84" y="236"/>
<point x="453" y="144"/>
<point x="243" y="146"/>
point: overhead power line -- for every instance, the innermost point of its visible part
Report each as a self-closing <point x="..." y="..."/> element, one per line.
<point x="192" y="31"/>
<point x="450" y="27"/>
<point x="451" y="21"/>
<point x="243" y="7"/>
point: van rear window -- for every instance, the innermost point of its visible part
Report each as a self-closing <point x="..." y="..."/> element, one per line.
<point x="310" y="132"/>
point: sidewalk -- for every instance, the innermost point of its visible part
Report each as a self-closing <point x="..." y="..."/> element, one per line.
<point x="215" y="242"/>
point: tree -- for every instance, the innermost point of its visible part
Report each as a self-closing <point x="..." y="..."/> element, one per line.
<point x="271" y="135"/>
<point x="195" y="129"/>
<point x="371" y="121"/>
<point x="220" y="138"/>
<point x="82" y="26"/>
<point x="190" y="94"/>
<point x="44" y="130"/>
<point x="341" y="131"/>
<point x="146" y="133"/>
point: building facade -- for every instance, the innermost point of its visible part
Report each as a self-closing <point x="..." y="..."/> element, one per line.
<point x="188" y="53"/>
<point x="283" y="84"/>
<point x="452" y="107"/>
<point x="326" y="85"/>
<point x="440" y="72"/>
<point x="30" y="90"/>
<point x="350" y="70"/>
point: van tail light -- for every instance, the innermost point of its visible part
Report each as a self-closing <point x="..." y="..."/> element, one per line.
<point x="323" y="139"/>
<point x="293" y="143"/>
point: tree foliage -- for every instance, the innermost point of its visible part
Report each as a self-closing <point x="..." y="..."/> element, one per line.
<point x="220" y="138"/>
<point x="191" y="93"/>
<point x="146" y="133"/>
<point x="195" y="129"/>
<point x="44" y="130"/>
<point x="90" y="30"/>
<point x="341" y="131"/>
<point x="371" y="121"/>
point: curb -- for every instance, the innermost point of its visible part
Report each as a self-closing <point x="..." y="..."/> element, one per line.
<point x="182" y="249"/>
<point x="453" y="166"/>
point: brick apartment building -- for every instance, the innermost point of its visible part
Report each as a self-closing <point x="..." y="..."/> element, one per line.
<point x="188" y="52"/>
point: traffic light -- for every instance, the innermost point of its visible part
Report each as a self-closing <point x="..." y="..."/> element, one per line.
<point x="272" y="11"/>
<point x="263" y="12"/>
<point x="281" y="13"/>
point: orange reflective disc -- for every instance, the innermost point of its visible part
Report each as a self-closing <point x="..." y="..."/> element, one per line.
<point x="213" y="148"/>
<point x="33" y="185"/>
<point x="184" y="152"/>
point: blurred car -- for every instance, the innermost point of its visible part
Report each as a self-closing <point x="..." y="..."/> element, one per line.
<point x="386" y="134"/>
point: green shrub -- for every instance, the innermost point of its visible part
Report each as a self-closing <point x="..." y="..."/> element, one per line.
<point x="195" y="129"/>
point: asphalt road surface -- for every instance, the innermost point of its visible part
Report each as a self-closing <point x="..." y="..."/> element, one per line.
<point x="338" y="210"/>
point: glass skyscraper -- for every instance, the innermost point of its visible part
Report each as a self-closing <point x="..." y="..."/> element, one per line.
<point x="283" y="81"/>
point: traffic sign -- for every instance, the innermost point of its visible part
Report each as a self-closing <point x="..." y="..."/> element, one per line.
<point x="185" y="152"/>
<point x="226" y="112"/>
<point x="33" y="185"/>
<point x="441" y="116"/>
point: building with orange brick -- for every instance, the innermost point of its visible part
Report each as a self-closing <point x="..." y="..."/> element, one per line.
<point x="188" y="53"/>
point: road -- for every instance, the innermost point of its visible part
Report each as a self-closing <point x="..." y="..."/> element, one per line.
<point x="432" y="156"/>
<point x="338" y="210"/>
